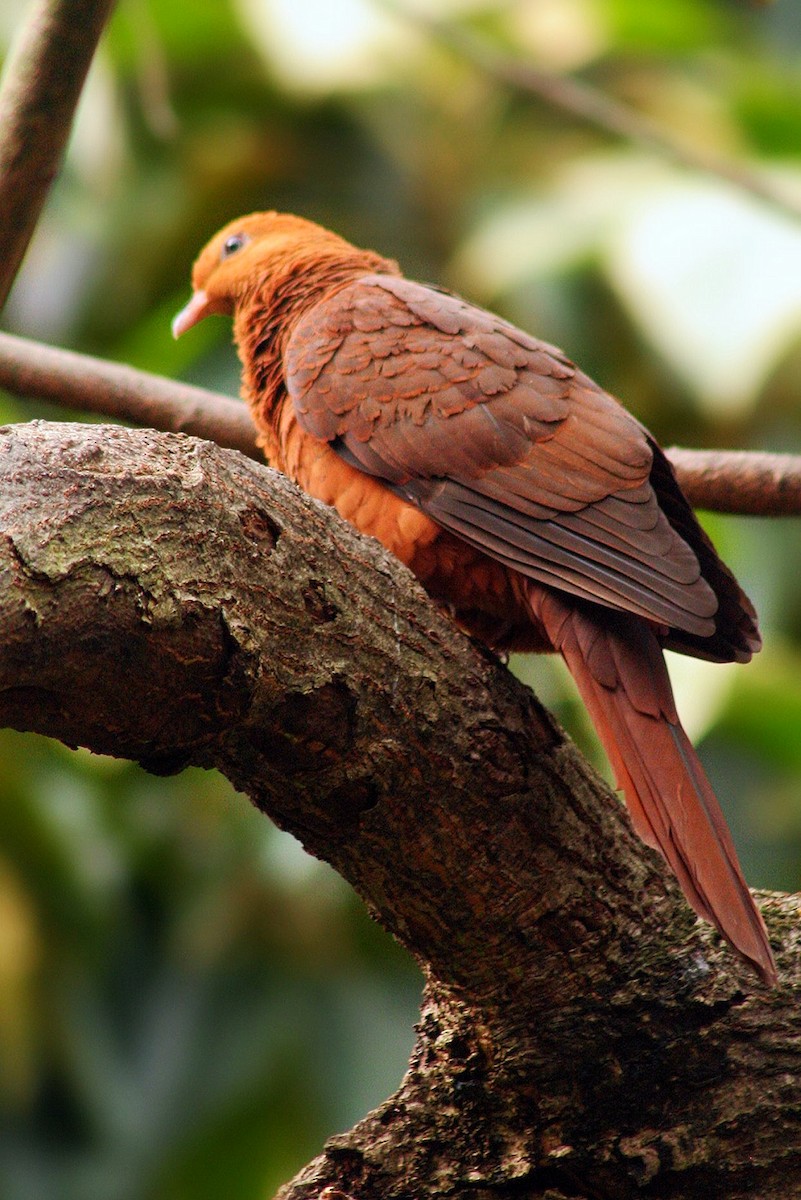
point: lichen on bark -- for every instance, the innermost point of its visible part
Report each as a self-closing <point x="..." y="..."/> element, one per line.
<point x="581" y="1034"/>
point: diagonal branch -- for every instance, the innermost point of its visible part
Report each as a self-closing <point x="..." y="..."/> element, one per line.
<point x="41" y="86"/>
<point x="581" y="1033"/>
<point x="743" y="482"/>
<point x="287" y="650"/>
<point x="589" y="104"/>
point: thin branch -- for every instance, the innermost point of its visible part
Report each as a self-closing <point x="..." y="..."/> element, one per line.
<point x="745" y="482"/>
<point x="588" y="104"/>
<point x="41" y="87"/>
<point x="727" y="481"/>
<point x="30" y="369"/>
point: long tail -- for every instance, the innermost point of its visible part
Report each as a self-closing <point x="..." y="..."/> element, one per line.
<point x="618" y="667"/>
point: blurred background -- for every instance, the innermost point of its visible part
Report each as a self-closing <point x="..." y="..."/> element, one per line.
<point x="188" y="1004"/>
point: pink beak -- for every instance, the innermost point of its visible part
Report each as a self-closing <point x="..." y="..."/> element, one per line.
<point x="199" y="306"/>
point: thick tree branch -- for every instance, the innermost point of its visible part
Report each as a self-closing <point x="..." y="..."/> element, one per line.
<point x="166" y="600"/>
<point x="41" y="86"/>
<point x="589" y="104"/>
<point x="751" y="484"/>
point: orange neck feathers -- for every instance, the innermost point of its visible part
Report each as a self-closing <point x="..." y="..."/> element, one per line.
<point x="282" y="285"/>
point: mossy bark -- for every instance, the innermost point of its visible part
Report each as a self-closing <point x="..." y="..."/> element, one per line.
<point x="581" y="1034"/>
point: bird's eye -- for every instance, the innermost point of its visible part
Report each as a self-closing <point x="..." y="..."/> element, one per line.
<point x="235" y="242"/>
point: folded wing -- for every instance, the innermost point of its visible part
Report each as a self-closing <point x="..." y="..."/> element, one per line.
<point x="501" y="440"/>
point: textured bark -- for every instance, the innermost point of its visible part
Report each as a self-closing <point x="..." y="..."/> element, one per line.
<point x="581" y="1034"/>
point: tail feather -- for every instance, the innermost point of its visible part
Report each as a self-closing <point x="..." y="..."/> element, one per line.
<point x="618" y="667"/>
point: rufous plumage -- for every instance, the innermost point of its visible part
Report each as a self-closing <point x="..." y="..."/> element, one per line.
<point x="522" y="495"/>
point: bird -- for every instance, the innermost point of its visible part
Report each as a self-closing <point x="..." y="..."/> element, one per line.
<point x="526" y="499"/>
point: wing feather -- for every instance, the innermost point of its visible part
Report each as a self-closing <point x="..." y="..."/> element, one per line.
<point x="501" y="440"/>
<point x="642" y="585"/>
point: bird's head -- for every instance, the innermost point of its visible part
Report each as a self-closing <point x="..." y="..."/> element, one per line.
<point x="247" y="254"/>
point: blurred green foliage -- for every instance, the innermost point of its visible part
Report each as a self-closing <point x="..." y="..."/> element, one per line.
<point x="188" y="1005"/>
